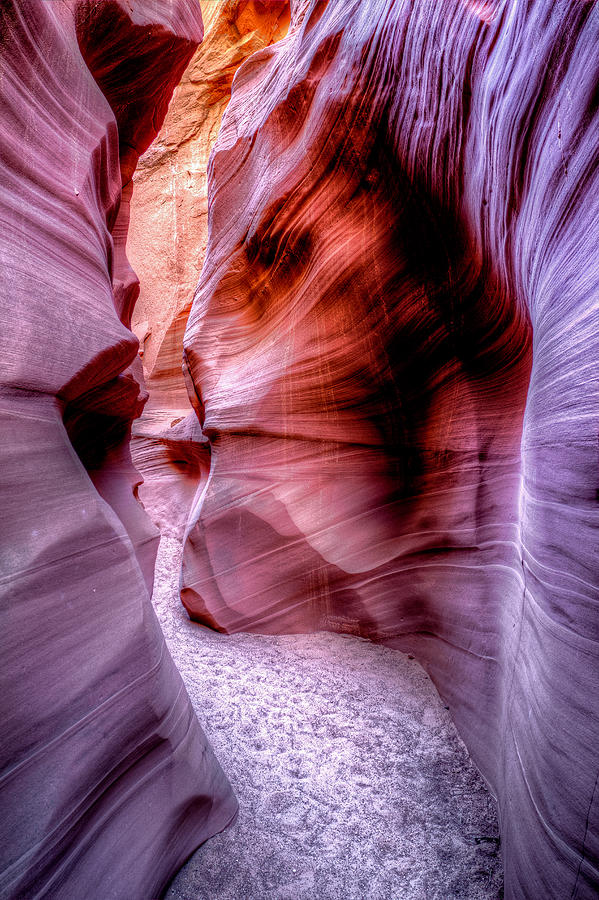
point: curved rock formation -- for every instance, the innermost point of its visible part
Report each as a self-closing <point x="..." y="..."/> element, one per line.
<point x="393" y="352"/>
<point x="106" y="781"/>
<point x="167" y="242"/>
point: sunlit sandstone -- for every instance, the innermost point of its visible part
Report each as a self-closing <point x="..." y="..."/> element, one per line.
<point x="107" y="782"/>
<point x="393" y="353"/>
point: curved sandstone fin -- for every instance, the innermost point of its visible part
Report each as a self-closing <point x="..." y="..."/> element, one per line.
<point x="107" y="782"/>
<point x="395" y="338"/>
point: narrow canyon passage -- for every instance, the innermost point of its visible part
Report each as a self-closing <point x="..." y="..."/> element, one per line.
<point x="351" y="779"/>
<point x="303" y="296"/>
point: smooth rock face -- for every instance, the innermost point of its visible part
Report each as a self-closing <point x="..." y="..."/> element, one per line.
<point x="166" y="244"/>
<point x="106" y="780"/>
<point x="393" y="352"/>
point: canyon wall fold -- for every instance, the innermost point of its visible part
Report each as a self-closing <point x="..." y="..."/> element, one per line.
<point x="393" y="352"/>
<point x="107" y="782"/>
<point x="166" y="244"/>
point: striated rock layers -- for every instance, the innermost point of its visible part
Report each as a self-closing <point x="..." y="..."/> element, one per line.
<point x="106" y="780"/>
<point x="393" y="352"/>
<point x="166" y="245"/>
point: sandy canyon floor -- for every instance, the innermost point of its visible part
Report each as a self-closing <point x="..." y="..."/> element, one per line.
<point x="351" y="779"/>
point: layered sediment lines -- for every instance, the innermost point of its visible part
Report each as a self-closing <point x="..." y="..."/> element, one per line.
<point x="106" y="780"/>
<point x="393" y="353"/>
<point x="167" y="242"/>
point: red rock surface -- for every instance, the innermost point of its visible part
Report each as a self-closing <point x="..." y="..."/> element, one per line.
<point x="393" y="352"/>
<point x="167" y="242"/>
<point x="106" y="779"/>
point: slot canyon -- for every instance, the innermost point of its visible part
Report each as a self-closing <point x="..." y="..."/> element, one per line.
<point x="299" y="397"/>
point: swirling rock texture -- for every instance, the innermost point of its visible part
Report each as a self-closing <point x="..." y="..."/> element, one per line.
<point x="166" y="245"/>
<point x="393" y="353"/>
<point x="106" y="782"/>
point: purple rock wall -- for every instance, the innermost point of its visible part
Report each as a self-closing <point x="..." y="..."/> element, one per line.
<point x="393" y="350"/>
<point x="107" y="783"/>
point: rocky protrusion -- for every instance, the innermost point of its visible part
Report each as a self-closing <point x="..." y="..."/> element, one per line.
<point x="394" y="340"/>
<point x="106" y="780"/>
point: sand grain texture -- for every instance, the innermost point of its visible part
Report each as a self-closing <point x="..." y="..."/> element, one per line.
<point x="351" y="779"/>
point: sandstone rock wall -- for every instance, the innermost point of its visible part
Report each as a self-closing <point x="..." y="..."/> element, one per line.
<point x="393" y="353"/>
<point x="106" y="780"/>
<point x="167" y="243"/>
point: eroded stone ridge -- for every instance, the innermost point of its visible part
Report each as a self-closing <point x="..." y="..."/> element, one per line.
<point x="393" y="352"/>
<point x="106" y="780"/>
<point x="167" y="242"/>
